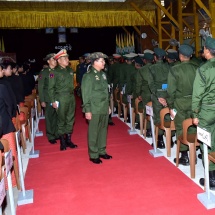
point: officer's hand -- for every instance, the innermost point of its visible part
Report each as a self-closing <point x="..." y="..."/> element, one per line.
<point x="195" y="121"/>
<point x="43" y="104"/>
<point x="54" y="105"/>
<point x="88" y="115"/>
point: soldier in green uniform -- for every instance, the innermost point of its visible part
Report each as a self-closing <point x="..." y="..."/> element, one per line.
<point x="203" y="105"/>
<point x="172" y="57"/>
<point x="142" y="87"/>
<point x="157" y="81"/>
<point x="50" y="113"/>
<point x="114" y="75"/>
<point x="180" y="88"/>
<point x="96" y="107"/>
<point x="61" y="89"/>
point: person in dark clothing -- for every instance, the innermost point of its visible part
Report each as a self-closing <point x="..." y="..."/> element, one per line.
<point x="5" y="72"/>
<point x="16" y="84"/>
<point x="28" y="80"/>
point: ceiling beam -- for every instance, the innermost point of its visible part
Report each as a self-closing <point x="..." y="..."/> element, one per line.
<point x="144" y="17"/>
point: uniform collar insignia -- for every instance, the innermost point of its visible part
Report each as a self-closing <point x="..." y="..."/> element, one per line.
<point x="95" y="71"/>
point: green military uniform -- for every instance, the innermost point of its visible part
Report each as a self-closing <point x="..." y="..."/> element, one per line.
<point x="50" y="113"/>
<point x="142" y="87"/>
<point x="157" y="81"/>
<point x="61" y="89"/>
<point x="96" y="101"/>
<point x="203" y="104"/>
<point x="180" y="87"/>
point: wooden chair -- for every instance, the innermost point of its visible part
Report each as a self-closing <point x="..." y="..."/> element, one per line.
<point x="211" y="157"/>
<point x="168" y="127"/>
<point x="125" y="109"/>
<point x="116" y="91"/>
<point x="5" y="143"/>
<point x="191" y="141"/>
<point x="146" y="119"/>
<point x="140" y="112"/>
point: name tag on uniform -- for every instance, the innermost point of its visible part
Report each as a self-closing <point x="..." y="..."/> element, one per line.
<point x="164" y="86"/>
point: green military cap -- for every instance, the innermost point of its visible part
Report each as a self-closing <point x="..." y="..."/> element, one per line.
<point x="148" y="56"/>
<point x="48" y="56"/>
<point x="172" y="54"/>
<point x="97" y="55"/>
<point x="185" y="50"/>
<point x="159" y="52"/>
<point x="138" y="60"/>
<point x="210" y="43"/>
<point x="128" y="56"/>
<point x="148" y="51"/>
<point x="141" y="55"/>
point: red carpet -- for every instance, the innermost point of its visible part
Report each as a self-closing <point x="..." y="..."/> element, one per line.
<point x="132" y="183"/>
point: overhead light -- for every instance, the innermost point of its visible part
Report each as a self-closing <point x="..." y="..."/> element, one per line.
<point x="59" y="1"/>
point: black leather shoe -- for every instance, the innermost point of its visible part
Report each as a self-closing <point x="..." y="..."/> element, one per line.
<point x="148" y="133"/>
<point x="71" y="145"/>
<point x="172" y="143"/>
<point x="200" y="156"/>
<point x="211" y="180"/>
<point x="96" y="160"/>
<point x="137" y="126"/>
<point x="161" y="144"/>
<point x="52" y="141"/>
<point x="183" y="160"/>
<point x="106" y="156"/>
<point x="111" y="123"/>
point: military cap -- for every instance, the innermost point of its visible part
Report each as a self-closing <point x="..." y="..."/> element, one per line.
<point x="185" y="50"/>
<point x="138" y="60"/>
<point x="148" y="51"/>
<point x="97" y="55"/>
<point x="48" y="56"/>
<point x="141" y="55"/>
<point x="117" y="56"/>
<point x="172" y="54"/>
<point x="210" y="43"/>
<point x="128" y="56"/>
<point x="86" y="54"/>
<point x="61" y="53"/>
<point x="148" y="56"/>
<point x="133" y="54"/>
<point x="159" y="52"/>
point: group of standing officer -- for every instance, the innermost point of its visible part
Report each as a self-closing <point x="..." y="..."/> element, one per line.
<point x="56" y="92"/>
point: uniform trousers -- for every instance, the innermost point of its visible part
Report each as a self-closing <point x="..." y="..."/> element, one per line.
<point x="51" y="121"/>
<point x="207" y="121"/>
<point x="65" y="114"/>
<point x="97" y="135"/>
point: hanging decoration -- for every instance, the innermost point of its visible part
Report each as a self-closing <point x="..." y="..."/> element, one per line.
<point x="125" y="43"/>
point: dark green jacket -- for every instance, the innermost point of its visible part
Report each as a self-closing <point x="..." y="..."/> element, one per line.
<point x="61" y="82"/>
<point x="204" y="87"/>
<point x="43" y="83"/>
<point x="180" y="82"/>
<point x="94" y="90"/>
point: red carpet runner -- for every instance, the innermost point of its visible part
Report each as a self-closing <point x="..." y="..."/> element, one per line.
<point x="132" y="183"/>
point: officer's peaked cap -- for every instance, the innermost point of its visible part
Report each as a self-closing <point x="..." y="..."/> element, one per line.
<point x="48" y="56"/>
<point x="210" y="43"/>
<point x="185" y="50"/>
<point x="159" y="52"/>
<point x="97" y="55"/>
<point x="61" y="53"/>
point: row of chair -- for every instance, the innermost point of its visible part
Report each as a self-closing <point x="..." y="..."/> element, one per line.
<point x="168" y="126"/>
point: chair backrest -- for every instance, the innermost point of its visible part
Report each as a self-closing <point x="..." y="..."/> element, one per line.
<point x="137" y="101"/>
<point x="186" y="124"/>
<point x="163" y="113"/>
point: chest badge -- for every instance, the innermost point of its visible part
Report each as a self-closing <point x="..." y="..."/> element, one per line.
<point x="97" y="77"/>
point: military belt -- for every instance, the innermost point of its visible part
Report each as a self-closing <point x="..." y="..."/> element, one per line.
<point x="65" y="93"/>
<point x="187" y="96"/>
<point x="161" y="89"/>
<point x="208" y="105"/>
